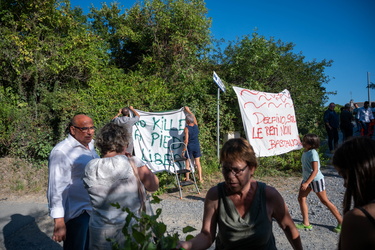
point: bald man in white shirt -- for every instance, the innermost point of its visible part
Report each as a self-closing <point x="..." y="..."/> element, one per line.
<point x="68" y="200"/>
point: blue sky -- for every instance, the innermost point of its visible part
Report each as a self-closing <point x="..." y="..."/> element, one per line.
<point x="338" y="30"/>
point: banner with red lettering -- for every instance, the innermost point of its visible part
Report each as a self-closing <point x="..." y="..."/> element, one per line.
<point x="269" y="121"/>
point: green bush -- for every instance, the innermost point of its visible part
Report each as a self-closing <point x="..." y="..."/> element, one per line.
<point x="165" y="179"/>
<point x="280" y="165"/>
<point x="147" y="232"/>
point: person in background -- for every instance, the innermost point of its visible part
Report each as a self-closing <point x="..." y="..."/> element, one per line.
<point x="313" y="180"/>
<point x="127" y="122"/>
<point x="119" y="178"/>
<point x="355" y="112"/>
<point x="364" y="117"/>
<point x="241" y="208"/>
<point x="331" y="121"/>
<point x="355" y="162"/>
<point x="373" y="108"/>
<point x="191" y="141"/>
<point x="372" y="123"/>
<point x="346" y="125"/>
<point x="68" y="201"/>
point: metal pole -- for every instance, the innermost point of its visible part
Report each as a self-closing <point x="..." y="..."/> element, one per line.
<point x="368" y="86"/>
<point x="218" y="122"/>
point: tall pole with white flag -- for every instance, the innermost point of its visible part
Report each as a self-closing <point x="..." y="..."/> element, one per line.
<point x="221" y="87"/>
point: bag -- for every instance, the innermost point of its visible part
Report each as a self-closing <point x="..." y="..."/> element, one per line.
<point x="142" y="193"/>
<point x="144" y="199"/>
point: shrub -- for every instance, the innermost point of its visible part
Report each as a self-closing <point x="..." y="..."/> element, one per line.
<point x="147" y="232"/>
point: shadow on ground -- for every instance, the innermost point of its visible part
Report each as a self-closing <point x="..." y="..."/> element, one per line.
<point x="29" y="237"/>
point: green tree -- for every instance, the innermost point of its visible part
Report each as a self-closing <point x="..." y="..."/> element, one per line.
<point x="272" y="66"/>
<point x="157" y="37"/>
<point x="156" y="56"/>
<point x="45" y="48"/>
<point x="162" y="47"/>
<point x="45" y="51"/>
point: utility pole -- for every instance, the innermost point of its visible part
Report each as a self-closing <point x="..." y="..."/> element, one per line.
<point x="221" y="87"/>
<point x="368" y="86"/>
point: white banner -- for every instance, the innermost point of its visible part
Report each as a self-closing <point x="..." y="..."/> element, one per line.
<point x="269" y="121"/>
<point x="153" y="135"/>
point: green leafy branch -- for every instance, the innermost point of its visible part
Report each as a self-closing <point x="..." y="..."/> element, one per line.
<point x="147" y="232"/>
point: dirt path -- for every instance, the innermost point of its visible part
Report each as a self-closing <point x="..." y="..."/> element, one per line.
<point x="25" y="224"/>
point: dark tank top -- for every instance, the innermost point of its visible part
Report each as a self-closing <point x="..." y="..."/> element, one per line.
<point x="193" y="135"/>
<point x="368" y="215"/>
<point x="253" y="231"/>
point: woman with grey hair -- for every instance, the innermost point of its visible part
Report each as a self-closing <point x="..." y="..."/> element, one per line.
<point x="192" y="143"/>
<point x="117" y="177"/>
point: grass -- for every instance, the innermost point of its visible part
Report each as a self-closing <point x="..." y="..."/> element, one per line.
<point x="20" y="177"/>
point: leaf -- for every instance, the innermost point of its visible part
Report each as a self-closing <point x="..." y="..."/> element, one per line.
<point x="116" y="205"/>
<point x="188" y="229"/>
<point x="138" y="236"/>
<point x="189" y="237"/>
<point x="159" y="229"/>
<point x="155" y="200"/>
<point x="151" y="246"/>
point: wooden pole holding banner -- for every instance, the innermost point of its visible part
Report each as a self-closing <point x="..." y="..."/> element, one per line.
<point x="221" y="87"/>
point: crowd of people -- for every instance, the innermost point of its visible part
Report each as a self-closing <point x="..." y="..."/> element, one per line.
<point x="83" y="186"/>
<point x="350" y="118"/>
<point x="238" y="212"/>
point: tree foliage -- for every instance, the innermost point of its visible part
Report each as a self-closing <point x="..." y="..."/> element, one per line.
<point x="272" y="66"/>
<point x="157" y="37"/>
<point x="157" y="55"/>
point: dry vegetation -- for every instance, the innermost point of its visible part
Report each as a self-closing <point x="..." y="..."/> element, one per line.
<point x="19" y="178"/>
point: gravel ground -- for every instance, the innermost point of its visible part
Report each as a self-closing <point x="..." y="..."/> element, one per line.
<point x="178" y="213"/>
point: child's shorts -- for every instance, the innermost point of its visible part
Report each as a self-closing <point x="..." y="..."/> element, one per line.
<point x="318" y="186"/>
